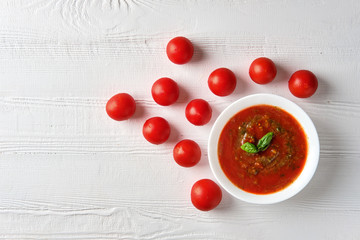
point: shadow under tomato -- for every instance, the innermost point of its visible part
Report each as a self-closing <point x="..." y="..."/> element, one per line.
<point x="199" y="53"/>
<point x="280" y="83"/>
<point x="282" y="74"/>
<point x="227" y="202"/>
<point x="175" y="135"/>
<point x="215" y="114"/>
<point x="183" y="95"/>
<point x="204" y="161"/>
<point x="241" y="86"/>
<point x="140" y="110"/>
<point x="323" y="90"/>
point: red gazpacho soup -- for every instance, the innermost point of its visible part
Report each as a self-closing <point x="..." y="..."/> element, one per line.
<point x="271" y="169"/>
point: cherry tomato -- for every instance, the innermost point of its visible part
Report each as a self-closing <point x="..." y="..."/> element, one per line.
<point x="165" y="91"/>
<point x="187" y="153"/>
<point x="262" y="70"/>
<point x="198" y="112"/>
<point x="156" y="130"/>
<point x="179" y="50"/>
<point x="222" y="82"/>
<point x="205" y="195"/>
<point x="303" y="84"/>
<point x="121" y="106"/>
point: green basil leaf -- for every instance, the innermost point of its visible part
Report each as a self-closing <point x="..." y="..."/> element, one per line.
<point x="264" y="142"/>
<point x="249" y="147"/>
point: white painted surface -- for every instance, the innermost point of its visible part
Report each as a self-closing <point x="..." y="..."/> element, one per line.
<point x="70" y="172"/>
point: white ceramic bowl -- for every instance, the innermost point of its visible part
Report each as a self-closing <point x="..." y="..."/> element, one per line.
<point x="312" y="156"/>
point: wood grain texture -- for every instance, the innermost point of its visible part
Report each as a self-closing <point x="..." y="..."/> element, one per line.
<point x="70" y="172"/>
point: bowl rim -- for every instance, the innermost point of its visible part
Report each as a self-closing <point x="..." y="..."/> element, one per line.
<point x="311" y="135"/>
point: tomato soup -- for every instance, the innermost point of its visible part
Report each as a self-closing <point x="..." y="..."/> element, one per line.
<point x="274" y="168"/>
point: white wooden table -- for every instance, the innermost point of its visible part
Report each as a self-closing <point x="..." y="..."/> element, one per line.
<point x="70" y="172"/>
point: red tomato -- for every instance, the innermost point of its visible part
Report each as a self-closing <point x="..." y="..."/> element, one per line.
<point x="262" y="70"/>
<point x="187" y="153"/>
<point x="156" y="130"/>
<point x="303" y="84"/>
<point x="179" y="50"/>
<point x="165" y="91"/>
<point x="222" y="82"/>
<point x="198" y="112"/>
<point x="205" y="195"/>
<point x="121" y="106"/>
